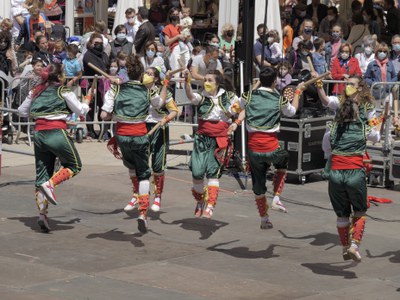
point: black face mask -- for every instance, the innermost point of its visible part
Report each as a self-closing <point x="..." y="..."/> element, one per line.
<point x="229" y="33"/>
<point x="174" y="18"/>
<point x="98" y="47"/>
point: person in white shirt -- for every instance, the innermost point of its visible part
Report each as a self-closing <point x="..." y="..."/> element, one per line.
<point x="368" y="53"/>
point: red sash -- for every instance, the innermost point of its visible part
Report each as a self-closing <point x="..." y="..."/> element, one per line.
<point x="219" y="130"/>
<point x="44" y="124"/>
<point x="131" y="129"/>
<point x="347" y="162"/>
<point x="263" y="141"/>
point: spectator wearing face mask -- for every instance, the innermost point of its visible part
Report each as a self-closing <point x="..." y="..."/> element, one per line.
<point x="343" y="66"/>
<point x="227" y="39"/>
<point x="305" y="33"/>
<point x="381" y="70"/>
<point x="329" y="21"/>
<point x="395" y="54"/>
<point x="131" y="24"/>
<point x="121" y="42"/>
<point x="150" y="59"/>
<point x="368" y="54"/>
<point x="298" y="17"/>
<point x="332" y="47"/>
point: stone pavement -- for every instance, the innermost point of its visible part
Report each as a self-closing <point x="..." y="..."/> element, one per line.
<point x="96" y="252"/>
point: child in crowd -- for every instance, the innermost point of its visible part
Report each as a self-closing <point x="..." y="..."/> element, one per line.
<point x="123" y="71"/>
<point x="185" y="25"/>
<point x="59" y="51"/>
<point x="273" y="42"/>
<point x="284" y="77"/>
<point x="318" y="57"/>
<point x="72" y="66"/>
<point x="6" y="25"/>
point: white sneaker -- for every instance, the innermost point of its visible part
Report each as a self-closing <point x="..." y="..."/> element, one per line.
<point x="277" y="205"/>
<point x="142" y="224"/>
<point x="156" y="206"/>
<point x="131" y="205"/>
<point x="48" y="190"/>
<point x="266" y="224"/>
<point x="43" y="223"/>
<point x="208" y="212"/>
<point x="354" y="254"/>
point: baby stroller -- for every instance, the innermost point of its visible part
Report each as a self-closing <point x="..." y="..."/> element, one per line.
<point x="76" y="128"/>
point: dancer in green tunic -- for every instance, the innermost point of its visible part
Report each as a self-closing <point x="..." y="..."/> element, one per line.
<point x="355" y="122"/>
<point x="49" y="104"/>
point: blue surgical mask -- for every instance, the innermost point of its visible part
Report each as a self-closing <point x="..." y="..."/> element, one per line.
<point x="150" y="53"/>
<point x="159" y="54"/>
<point x="396" y="47"/>
<point x="382" y="55"/>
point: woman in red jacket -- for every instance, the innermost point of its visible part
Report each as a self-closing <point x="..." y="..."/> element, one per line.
<point x="343" y="66"/>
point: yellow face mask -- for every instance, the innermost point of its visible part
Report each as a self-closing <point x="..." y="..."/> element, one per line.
<point x="350" y="90"/>
<point x="209" y="87"/>
<point x="147" y="79"/>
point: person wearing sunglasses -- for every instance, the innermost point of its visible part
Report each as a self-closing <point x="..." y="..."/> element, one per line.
<point x="381" y="70"/>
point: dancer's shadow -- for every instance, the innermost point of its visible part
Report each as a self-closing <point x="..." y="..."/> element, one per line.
<point x="119" y="236"/>
<point x="206" y="227"/>
<point x="245" y="252"/>
<point x="332" y="270"/>
<point x="151" y="215"/>
<point x="113" y="212"/>
<point x="319" y="239"/>
<point x="394" y="256"/>
<point x="55" y="225"/>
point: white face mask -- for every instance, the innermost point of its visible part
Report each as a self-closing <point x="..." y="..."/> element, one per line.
<point x="344" y="56"/>
<point x="270" y="40"/>
<point x="113" y="70"/>
<point x="368" y="50"/>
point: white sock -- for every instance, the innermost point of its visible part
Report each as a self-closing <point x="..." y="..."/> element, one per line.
<point x="157" y="200"/>
<point x="276" y="199"/>
<point x="144" y="187"/>
<point x="354" y="245"/>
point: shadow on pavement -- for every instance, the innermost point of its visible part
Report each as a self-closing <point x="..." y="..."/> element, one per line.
<point x="113" y="212"/>
<point x="245" y="252"/>
<point x="319" y="239"/>
<point x="55" y="225"/>
<point x="206" y="227"/>
<point x="331" y="270"/>
<point x="394" y="256"/>
<point x="119" y="236"/>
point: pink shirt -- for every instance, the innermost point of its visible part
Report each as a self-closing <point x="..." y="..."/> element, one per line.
<point x="335" y="49"/>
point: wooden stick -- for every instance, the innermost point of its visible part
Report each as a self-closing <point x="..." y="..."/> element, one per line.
<point x="154" y="129"/>
<point x="314" y="80"/>
<point x="310" y="63"/>
<point x="101" y="72"/>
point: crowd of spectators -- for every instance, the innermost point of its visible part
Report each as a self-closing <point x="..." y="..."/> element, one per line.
<point x="366" y="43"/>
